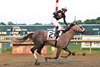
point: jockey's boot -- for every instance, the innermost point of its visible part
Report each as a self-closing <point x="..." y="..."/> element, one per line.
<point x="58" y="34"/>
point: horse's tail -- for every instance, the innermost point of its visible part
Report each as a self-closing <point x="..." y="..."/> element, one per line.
<point x="27" y="36"/>
<point x="23" y="39"/>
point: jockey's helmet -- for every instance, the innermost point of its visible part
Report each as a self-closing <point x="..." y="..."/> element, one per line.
<point x="65" y="9"/>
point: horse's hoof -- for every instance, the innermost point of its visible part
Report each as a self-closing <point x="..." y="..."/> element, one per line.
<point x="73" y="53"/>
<point x="37" y="63"/>
<point x="46" y="59"/>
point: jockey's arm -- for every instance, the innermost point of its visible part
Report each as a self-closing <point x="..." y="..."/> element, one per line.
<point x="65" y="21"/>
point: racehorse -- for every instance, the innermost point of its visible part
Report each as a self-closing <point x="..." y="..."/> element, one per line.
<point x="40" y="39"/>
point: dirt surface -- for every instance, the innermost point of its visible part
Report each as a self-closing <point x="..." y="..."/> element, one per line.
<point x="9" y="60"/>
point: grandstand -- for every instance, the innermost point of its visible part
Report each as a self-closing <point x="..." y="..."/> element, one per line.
<point x="20" y="30"/>
<point x="10" y="30"/>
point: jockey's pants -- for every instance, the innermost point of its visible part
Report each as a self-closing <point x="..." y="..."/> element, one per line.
<point x="56" y="24"/>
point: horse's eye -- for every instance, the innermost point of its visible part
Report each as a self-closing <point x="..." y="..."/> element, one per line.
<point x="81" y="27"/>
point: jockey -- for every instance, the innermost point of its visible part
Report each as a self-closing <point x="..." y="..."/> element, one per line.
<point x="56" y="16"/>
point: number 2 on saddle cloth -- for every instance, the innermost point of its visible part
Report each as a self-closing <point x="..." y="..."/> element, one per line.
<point x="53" y="34"/>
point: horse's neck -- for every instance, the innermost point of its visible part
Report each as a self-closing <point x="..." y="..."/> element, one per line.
<point x="69" y="34"/>
<point x="65" y="38"/>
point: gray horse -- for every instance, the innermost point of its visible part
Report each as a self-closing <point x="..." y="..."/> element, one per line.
<point x="40" y="39"/>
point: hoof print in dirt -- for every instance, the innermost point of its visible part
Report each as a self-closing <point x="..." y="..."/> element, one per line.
<point x="36" y="63"/>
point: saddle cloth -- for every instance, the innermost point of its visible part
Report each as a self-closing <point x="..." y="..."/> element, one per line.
<point x="51" y="35"/>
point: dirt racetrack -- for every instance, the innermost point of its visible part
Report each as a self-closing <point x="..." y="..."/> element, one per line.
<point x="9" y="60"/>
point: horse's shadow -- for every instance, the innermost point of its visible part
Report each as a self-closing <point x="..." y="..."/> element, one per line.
<point x="60" y="61"/>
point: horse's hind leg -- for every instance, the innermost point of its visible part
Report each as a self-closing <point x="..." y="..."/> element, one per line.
<point x="37" y="47"/>
<point x="40" y="48"/>
<point x="34" y="54"/>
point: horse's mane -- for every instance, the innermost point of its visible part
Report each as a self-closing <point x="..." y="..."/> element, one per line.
<point x="69" y="27"/>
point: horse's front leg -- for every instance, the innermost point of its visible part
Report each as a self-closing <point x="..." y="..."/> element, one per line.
<point x="69" y="53"/>
<point x="57" y="55"/>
